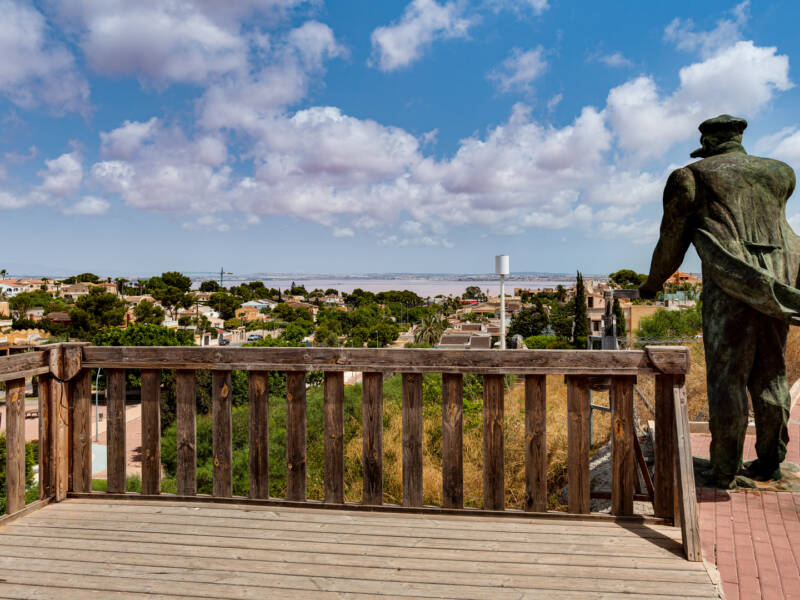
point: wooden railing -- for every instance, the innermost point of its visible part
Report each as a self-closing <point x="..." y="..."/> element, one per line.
<point x="65" y="413"/>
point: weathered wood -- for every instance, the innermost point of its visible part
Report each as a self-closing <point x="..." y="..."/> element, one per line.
<point x="259" y="433"/>
<point x="62" y="442"/>
<point x="151" y="431"/>
<point x="333" y="409"/>
<point x="47" y="423"/>
<point x="452" y="440"/>
<point x="296" y="435"/>
<point x="493" y="446"/>
<point x="578" y="445"/>
<point x="664" y="504"/>
<point x="535" y="443"/>
<point x="669" y="359"/>
<point x="412" y="439"/>
<point x="19" y="366"/>
<point x="82" y="431"/>
<point x="372" y="436"/>
<point x="622" y="451"/>
<point x="15" y="445"/>
<point x="186" y="432"/>
<point x="222" y="433"/>
<point x="115" y="434"/>
<point x="407" y="360"/>
<point x="648" y="480"/>
<point x="690" y="527"/>
<point x="65" y="360"/>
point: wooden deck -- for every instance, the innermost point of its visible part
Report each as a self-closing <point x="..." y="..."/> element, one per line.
<point x="85" y="548"/>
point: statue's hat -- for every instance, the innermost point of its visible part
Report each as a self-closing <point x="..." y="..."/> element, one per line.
<point x="723" y="123"/>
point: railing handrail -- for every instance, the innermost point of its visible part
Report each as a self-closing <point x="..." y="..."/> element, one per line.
<point x="19" y="366"/>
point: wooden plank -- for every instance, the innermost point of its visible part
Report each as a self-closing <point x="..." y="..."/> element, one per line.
<point x="116" y="431"/>
<point x="412" y="439"/>
<point x="535" y="443"/>
<point x="648" y="481"/>
<point x="452" y="440"/>
<point x="12" y="367"/>
<point x="47" y="422"/>
<point x="15" y="445"/>
<point x="408" y="360"/>
<point x="333" y="408"/>
<point x="222" y="433"/>
<point x="61" y="439"/>
<point x="65" y="360"/>
<point x="372" y="435"/>
<point x="151" y="431"/>
<point x="622" y="451"/>
<point x="259" y="433"/>
<point x="82" y="431"/>
<point x="296" y="435"/>
<point x="186" y="432"/>
<point x="690" y="527"/>
<point x="493" y="444"/>
<point x="578" y="445"/>
<point x="665" y="491"/>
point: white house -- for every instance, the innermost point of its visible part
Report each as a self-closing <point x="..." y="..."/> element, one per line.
<point x="10" y="288"/>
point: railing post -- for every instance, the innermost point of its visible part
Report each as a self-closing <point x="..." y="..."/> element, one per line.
<point x="259" y="433"/>
<point x="151" y="431"/>
<point x="535" y="443"/>
<point x="578" y="444"/>
<point x="81" y="406"/>
<point x="493" y="426"/>
<point x="115" y="430"/>
<point x="296" y="435"/>
<point x="690" y="528"/>
<point x="412" y="439"/>
<point x="372" y="442"/>
<point x="15" y="445"/>
<point x="622" y="452"/>
<point x="452" y="440"/>
<point x="186" y="428"/>
<point x="665" y="504"/>
<point x="333" y="406"/>
<point x="47" y="427"/>
<point x="222" y="433"/>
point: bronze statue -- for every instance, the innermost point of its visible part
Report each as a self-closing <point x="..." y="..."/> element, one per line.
<point x="731" y="206"/>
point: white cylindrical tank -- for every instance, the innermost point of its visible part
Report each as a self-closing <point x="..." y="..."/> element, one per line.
<point x="501" y="264"/>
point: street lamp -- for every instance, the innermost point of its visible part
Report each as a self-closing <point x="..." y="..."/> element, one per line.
<point x="501" y="268"/>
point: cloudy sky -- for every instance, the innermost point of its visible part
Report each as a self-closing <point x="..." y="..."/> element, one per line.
<point x="364" y="136"/>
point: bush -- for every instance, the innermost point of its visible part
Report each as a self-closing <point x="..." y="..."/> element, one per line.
<point x="671" y="325"/>
<point x="547" y="342"/>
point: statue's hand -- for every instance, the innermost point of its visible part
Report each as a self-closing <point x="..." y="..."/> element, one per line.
<point x="646" y="293"/>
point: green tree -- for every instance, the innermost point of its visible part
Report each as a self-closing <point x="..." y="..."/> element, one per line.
<point x="671" y="326"/>
<point x="209" y="286"/>
<point x="430" y="330"/>
<point x="627" y="278"/>
<point x="147" y="312"/>
<point x="622" y="328"/>
<point x="144" y="334"/>
<point x="82" y="278"/>
<point x="172" y="298"/>
<point x="225" y="304"/>
<point x="529" y="321"/>
<point x="27" y="300"/>
<point x="178" y="280"/>
<point x="95" y="311"/>
<point x="580" y="328"/>
<point x="473" y="292"/>
<point x="561" y="318"/>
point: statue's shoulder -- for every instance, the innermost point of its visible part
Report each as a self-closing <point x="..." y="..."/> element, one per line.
<point x="681" y="178"/>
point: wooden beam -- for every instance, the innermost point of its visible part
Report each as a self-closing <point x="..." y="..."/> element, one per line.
<point x="406" y="360"/>
<point x="116" y="430"/>
<point x="452" y="440"/>
<point x="186" y="430"/>
<point x="333" y="408"/>
<point x="62" y="442"/>
<point x="412" y="439"/>
<point x="622" y="451"/>
<point x="82" y="431"/>
<point x="578" y="445"/>
<point x="259" y="433"/>
<point x="151" y="431"/>
<point x="222" y="433"/>
<point x="664" y="489"/>
<point x="690" y="527"/>
<point x="296" y="435"/>
<point x="535" y="443"/>
<point x="372" y="435"/>
<point x="15" y="445"/>
<point x="494" y="490"/>
<point x="19" y="366"/>
<point x="47" y="422"/>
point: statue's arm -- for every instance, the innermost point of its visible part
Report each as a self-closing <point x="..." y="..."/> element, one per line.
<point x="676" y="234"/>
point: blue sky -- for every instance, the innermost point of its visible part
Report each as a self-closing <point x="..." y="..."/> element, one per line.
<point x="422" y="136"/>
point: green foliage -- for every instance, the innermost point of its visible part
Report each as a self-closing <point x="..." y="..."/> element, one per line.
<point x="297" y="330"/>
<point x="20" y="324"/>
<point x="430" y="330"/>
<point x="177" y="280"/>
<point x="143" y="334"/>
<point x="404" y="297"/>
<point x="31" y="458"/>
<point x="418" y="345"/>
<point x="529" y="321"/>
<point x="622" y="326"/>
<point x="82" y="278"/>
<point x="225" y="304"/>
<point x="149" y="313"/>
<point x="232" y="323"/>
<point x="133" y="483"/>
<point x="627" y="278"/>
<point x="324" y="336"/>
<point x="580" y="328"/>
<point x="96" y="311"/>
<point x="547" y="342"/>
<point x="26" y="300"/>
<point x="671" y="325"/>
<point x="561" y="319"/>
<point x="209" y="286"/>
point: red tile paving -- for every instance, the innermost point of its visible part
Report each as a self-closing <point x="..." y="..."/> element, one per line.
<point x="753" y="537"/>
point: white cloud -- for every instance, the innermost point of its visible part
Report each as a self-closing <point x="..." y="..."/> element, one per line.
<point x="35" y="70"/>
<point x="424" y="21"/>
<point x="63" y="175"/>
<point x="783" y="145"/>
<point x="615" y="59"/>
<point x="554" y="101"/>
<point x="88" y="205"/>
<point x="727" y="32"/>
<point x="342" y="232"/>
<point x="740" y="79"/>
<point x="9" y="201"/>
<point x="794" y="221"/>
<point x="537" y="7"/>
<point x="518" y="70"/>
<point x="208" y="223"/>
<point x="124" y="141"/>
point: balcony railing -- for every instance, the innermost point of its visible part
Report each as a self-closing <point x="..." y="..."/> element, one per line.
<point x="65" y="423"/>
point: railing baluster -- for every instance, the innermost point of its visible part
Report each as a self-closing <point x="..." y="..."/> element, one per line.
<point x="452" y="441"/>
<point x="412" y="439"/>
<point x="151" y="431"/>
<point x="578" y="444"/>
<point x="372" y="431"/>
<point x="333" y="409"/>
<point x="259" y="433"/>
<point x="296" y="435"/>
<point x="186" y="406"/>
<point x="222" y="433"/>
<point x="622" y="452"/>
<point x="15" y="445"/>
<point x="115" y="432"/>
<point x="665" y="504"/>
<point x="81" y="431"/>
<point x="47" y="412"/>
<point x="535" y="443"/>
<point x="690" y="528"/>
<point x="493" y="459"/>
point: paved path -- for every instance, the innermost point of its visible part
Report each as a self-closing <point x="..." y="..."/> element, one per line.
<point x="753" y="537"/>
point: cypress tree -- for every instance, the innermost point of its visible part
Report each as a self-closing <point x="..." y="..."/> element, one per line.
<point x="580" y="328"/>
<point x="621" y="325"/>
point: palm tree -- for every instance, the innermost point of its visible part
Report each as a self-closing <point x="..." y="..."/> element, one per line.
<point x="430" y="330"/>
<point x="3" y="273"/>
